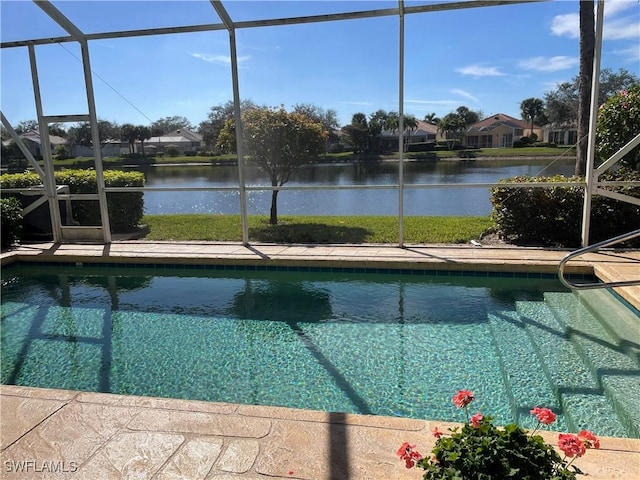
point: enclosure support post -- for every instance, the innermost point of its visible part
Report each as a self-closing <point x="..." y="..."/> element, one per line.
<point x="591" y="177"/>
<point x="95" y="140"/>
<point x="401" y="126"/>
<point x="45" y="149"/>
<point x="228" y="23"/>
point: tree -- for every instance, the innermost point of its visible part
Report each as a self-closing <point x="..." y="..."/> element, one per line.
<point x="142" y="133"/>
<point x="561" y="105"/>
<point x="216" y="118"/>
<point x="587" y="49"/>
<point x="327" y="118"/>
<point x="531" y="108"/>
<point x="26" y="126"/>
<point x="618" y="121"/>
<point x="357" y="133"/>
<point x="409" y="123"/>
<point x="468" y="116"/>
<point x="80" y="134"/>
<point x="452" y="126"/>
<point x="128" y="134"/>
<point x="431" y="118"/>
<point x="165" y="125"/>
<point x="278" y="142"/>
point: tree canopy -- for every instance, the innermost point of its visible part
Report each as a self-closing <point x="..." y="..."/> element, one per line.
<point x="531" y="109"/>
<point x="211" y="127"/>
<point x="278" y="142"/>
<point x="162" y="126"/>
<point x="561" y="104"/>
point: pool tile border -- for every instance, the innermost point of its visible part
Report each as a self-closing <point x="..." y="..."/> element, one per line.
<point x="306" y="269"/>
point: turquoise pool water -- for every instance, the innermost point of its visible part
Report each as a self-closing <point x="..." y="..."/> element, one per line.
<point x="384" y="343"/>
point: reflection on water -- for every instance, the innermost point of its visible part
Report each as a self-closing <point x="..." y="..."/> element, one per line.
<point x="441" y="201"/>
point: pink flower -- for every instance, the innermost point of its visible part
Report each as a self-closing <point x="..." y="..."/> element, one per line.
<point x="437" y="433"/>
<point x="544" y="415"/>
<point x="406" y="453"/>
<point x="463" y="398"/>
<point x="571" y="445"/>
<point x="589" y="439"/>
<point x="476" y="419"/>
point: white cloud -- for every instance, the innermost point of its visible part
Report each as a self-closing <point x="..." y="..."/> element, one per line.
<point x="566" y="25"/>
<point x="552" y="64"/>
<point x="464" y="94"/>
<point x="632" y="54"/>
<point x="480" y="71"/>
<point x="623" y="27"/>
<point x="611" y="7"/>
<point x="219" y="59"/>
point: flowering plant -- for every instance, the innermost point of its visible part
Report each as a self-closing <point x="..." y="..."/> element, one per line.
<point x="479" y="450"/>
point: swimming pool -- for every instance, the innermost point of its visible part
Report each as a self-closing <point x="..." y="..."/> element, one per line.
<point x="369" y="341"/>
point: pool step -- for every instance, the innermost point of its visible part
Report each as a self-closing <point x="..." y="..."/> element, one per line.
<point x="624" y="326"/>
<point x="528" y="387"/>
<point x="606" y="355"/>
<point x="574" y="386"/>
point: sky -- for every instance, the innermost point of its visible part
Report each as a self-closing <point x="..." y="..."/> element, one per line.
<point x="488" y="59"/>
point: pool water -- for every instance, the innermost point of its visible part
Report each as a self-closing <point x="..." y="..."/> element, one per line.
<point x="370" y="343"/>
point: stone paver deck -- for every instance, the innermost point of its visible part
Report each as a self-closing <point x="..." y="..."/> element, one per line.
<point x="48" y="433"/>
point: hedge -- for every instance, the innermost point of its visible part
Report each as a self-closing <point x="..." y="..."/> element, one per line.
<point x="125" y="209"/>
<point x="552" y="216"/>
<point x="11" y="221"/>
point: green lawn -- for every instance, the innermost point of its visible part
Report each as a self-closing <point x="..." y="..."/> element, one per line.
<point x="84" y="162"/>
<point x="316" y="229"/>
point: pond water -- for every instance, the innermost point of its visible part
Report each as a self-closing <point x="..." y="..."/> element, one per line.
<point x="437" y="201"/>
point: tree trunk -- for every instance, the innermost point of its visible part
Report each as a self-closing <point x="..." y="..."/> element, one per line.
<point x="273" y="219"/>
<point x="587" y="47"/>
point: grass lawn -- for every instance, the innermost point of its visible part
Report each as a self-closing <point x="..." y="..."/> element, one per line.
<point x="525" y="152"/>
<point x="316" y="229"/>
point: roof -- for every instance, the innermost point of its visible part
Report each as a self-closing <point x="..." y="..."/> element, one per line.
<point x="497" y="120"/>
<point x="169" y="139"/>
<point x="34" y="137"/>
<point x="424" y="128"/>
<point x="183" y="132"/>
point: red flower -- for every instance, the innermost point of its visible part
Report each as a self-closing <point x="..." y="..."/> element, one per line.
<point x="571" y="445"/>
<point x="437" y="433"/>
<point x="476" y="419"/>
<point x="406" y="453"/>
<point x="589" y="439"/>
<point x="463" y="398"/>
<point x="544" y="415"/>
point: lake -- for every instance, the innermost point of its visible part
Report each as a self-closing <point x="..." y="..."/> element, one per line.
<point x="417" y="202"/>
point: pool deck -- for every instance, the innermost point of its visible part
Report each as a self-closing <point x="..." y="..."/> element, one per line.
<point x="62" y="434"/>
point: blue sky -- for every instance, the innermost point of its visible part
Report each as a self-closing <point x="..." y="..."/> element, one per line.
<point x="488" y="59"/>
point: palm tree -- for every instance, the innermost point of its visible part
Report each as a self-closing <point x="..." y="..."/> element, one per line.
<point x="431" y="118"/>
<point x="531" y="108"/>
<point x="587" y="48"/>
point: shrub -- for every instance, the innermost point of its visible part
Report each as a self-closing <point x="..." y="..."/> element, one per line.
<point x="552" y="216"/>
<point x="525" y="141"/>
<point x="618" y="121"/>
<point x="172" y="151"/>
<point x="11" y="218"/>
<point x="421" y="147"/>
<point x="125" y="209"/>
<point x="62" y="152"/>
<point x="481" y="451"/>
